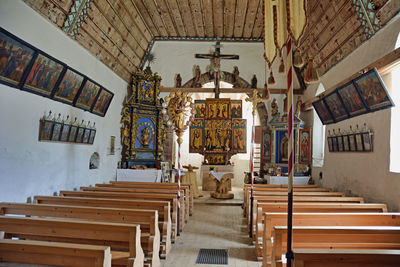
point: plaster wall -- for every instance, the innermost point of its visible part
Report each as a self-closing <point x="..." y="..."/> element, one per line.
<point x="363" y="174"/>
<point x="29" y="167"/>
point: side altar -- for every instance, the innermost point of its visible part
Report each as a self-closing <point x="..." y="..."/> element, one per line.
<point x="141" y="133"/>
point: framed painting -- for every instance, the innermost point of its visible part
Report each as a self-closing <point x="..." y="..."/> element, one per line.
<point x="239" y="136"/>
<point x="79" y="135"/>
<point x="330" y="144"/>
<point x="196" y="136"/>
<point x="102" y="102"/>
<point x="217" y="136"/>
<point x="266" y="153"/>
<point x="69" y="86"/>
<point x="216" y="159"/>
<point x="46" y="128"/>
<point x="55" y="135"/>
<point x="87" y="95"/>
<point x="200" y="108"/>
<point x="340" y="143"/>
<point x="72" y="134"/>
<point x="334" y="144"/>
<point x="323" y="112"/>
<point x="65" y="132"/>
<point x="92" y="136"/>
<point x="336" y="107"/>
<point x="346" y="144"/>
<point x="359" y="142"/>
<point x="305" y="146"/>
<point x="43" y="75"/>
<point x="86" y="136"/>
<point x="351" y="99"/>
<point x="236" y="108"/>
<point x="373" y="91"/>
<point x="15" y="58"/>
<point x="218" y="108"/>
<point x="367" y="141"/>
<point x="352" y="142"/>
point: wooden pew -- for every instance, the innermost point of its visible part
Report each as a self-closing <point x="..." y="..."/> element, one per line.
<point x="346" y="258"/>
<point x="184" y="186"/>
<point x="147" y="195"/>
<point x="123" y="238"/>
<point x="323" y="219"/>
<point x="334" y="237"/>
<point x="148" y="220"/>
<point x="54" y="253"/>
<point x="163" y="208"/>
<point x="138" y="196"/>
<point x="308" y="208"/>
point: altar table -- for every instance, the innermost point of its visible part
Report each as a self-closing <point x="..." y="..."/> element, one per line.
<point x="146" y="175"/>
<point x="283" y="180"/>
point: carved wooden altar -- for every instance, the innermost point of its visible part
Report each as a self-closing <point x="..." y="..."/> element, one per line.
<point x="141" y="133"/>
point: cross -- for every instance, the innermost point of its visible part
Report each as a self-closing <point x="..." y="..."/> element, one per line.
<point x="254" y="99"/>
<point x="216" y="59"/>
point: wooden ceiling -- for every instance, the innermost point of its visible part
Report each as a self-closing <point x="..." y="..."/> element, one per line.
<point x="121" y="32"/>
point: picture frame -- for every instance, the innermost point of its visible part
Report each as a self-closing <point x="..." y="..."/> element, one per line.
<point x="359" y="142"/>
<point x="86" y="136"/>
<point x="352" y="142"/>
<point x="367" y="141"/>
<point x="200" y="109"/>
<point x="239" y="136"/>
<point x="305" y="146"/>
<point x="351" y="99"/>
<point x="92" y="136"/>
<point x="87" y="95"/>
<point x="216" y="158"/>
<point x="196" y="136"/>
<point x="18" y="58"/>
<point x="330" y="144"/>
<point x="323" y="112"/>
<point x="69" y="86"/>
<point x="79" y="135"/>
<point x="72" y="133"/>
<point x="102" y="102"/>
<point x="65" y="132"/>
<point x="56" y="133"/>
<point x="373" y="91"/>
<point x="340" y="143"/>
<point x="346" y="144"/>
<point x="236" y="109"/>
<point x="334" y="144"/>
<point x="266" y="153"/>
<point x="45" y="130"/>
<point x="44" y="74"/>
<point x="336" y="107"/>
<point x="218" y="108"/>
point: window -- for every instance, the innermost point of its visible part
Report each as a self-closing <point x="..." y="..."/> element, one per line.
<point x="318" y="136"/>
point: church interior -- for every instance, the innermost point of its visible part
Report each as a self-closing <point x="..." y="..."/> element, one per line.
<point x="199" y="133"/>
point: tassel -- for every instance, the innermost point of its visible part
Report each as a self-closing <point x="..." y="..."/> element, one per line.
<point x="265" y="92"/>
<point x="282" y="67"/>
<point x="298" y="60"/>
<point x="271" y="79"/>
<point x="310" y="74"/>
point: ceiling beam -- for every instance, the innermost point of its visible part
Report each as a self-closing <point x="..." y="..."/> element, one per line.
<point x="227" y="90"/>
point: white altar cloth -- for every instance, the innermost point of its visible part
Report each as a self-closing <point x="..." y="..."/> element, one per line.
<point x="283" y="180"/>
<point x="147" y="175"/>
<point x="218" y="175"/>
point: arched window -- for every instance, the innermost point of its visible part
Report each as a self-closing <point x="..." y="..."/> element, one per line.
<point x="395" y="118"/>
<point x="318" y="136"/>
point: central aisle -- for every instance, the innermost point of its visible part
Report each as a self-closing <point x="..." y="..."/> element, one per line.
<point x="215" y="226"/>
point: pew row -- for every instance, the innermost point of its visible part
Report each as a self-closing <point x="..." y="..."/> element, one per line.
<point x="123" y="238"/>
<point x="148" y="220"/>
<point x="163" y="208"/>
<point x="334" y="237"/>
<point x="54" y="253"/>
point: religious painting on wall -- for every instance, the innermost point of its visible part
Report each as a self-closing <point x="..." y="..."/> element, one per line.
<point x="373" y="90"/>
<point x="200" y="108"/>
<point x="219" y="108"/>
<point x="92" y="136"/>
<point x="352" y="141"/>
<point x="217" y="135"/>
<point x="367" y="141"/>
<point x="46" y="128"/>
<point x="103" y="102"/>
<point x="145" y="138"/>
<point x="305" y="146"/>
<point x="346" y="144"/>
<point x="330" y="144"/>
<point x="196" y="136"/>
<point x="334" y="144"/>
<point x="69" y="86"/>
<point x="359" y="142"/>
<point x="146" y="91"/>
<point x="216" y="159"/>
<point x="65" y="132"/>
<point x="79" y="135"/>
<point x="43" y="75"/>
<point x="282" y="146"/>
<point x="86" y="136"/>
<point x="55" y="136"/>
<point x="336" y="107"/>
<point x="340" y="143"/>
<point x="266" y="146"/>
<point x="87" y="95"/>
<point x="352" y="100"/>
<point x="15" y="57"/>
<point x="323" y="112"/>
<point x="239" y="136"/>
<point x="72" y="133"/>
<point x="236" y="109"/>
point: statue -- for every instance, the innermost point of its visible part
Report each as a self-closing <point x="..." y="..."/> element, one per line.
<point x="274" y="107"/>
<point x="190" y="178"/>
<point x="236" y="83"/>
<point x="178" y="81"/>
<point x="254" y="82"/>
<point x="144" y="135"/>
<point x="197" y="75"/>
<point x="298" y="107"/>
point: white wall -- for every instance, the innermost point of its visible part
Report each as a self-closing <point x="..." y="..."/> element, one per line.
<point x="29" y="167"/>
<point x="363" y="174"/>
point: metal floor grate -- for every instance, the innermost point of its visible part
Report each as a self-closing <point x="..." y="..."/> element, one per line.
<point x="212" y="256"/>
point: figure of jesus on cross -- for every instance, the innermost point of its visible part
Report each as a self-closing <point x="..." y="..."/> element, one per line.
<point x="216" y="68"/>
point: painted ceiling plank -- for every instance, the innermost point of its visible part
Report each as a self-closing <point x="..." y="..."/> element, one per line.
<point x="218" y="9"/>
<point x="197" y="15"/>
<point x="251" y="17"/>
<point x="208" y="18"/>
<point x="139" y="21"/>
<point x="167" y="18"/>
<point x="65" y="5"/>
<point x="229" y="17"/>
<point x="146" y="16"/>
<point x="49" y="10"/>
<point x="258" y="28"/>
<point x="154" y="12"/>
<point x="240" y="16"/>
<point x="187" y="18"/>
<point x="177" y="17"/>
<point x="388" y="11"/>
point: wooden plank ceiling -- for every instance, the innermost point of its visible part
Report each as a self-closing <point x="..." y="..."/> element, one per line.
<point x="120" y="32"/>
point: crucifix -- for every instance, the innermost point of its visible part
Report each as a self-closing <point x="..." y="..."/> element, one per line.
<point x="215" y="67"/>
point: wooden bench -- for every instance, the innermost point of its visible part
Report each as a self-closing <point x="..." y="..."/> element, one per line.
<point x="163" y="208"/>
<point x="185" y="186"/>
<point x="334" y="237"/>
<point x="54" y="253"/>
<point x="137" y="196"/>
<point x="123" y="238"/>
<point x="346" y="258"/>
<point x="148" y="220"/>
<point x="308" y="208"/>
<point x="323" y="219"/>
